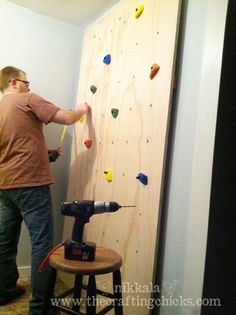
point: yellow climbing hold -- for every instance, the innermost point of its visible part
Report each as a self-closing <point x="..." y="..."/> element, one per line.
<point x="139" y="11"/>
<point x="108" y="174"/>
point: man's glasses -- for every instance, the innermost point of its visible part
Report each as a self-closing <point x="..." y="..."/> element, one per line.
<point x="27" y="83"/>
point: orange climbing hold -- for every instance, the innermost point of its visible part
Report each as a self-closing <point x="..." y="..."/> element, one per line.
<point x="154" y="69"/>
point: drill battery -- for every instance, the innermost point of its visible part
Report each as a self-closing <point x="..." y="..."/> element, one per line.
<point x="79" y="251"/>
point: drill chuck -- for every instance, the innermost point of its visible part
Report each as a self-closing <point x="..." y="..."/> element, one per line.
<point x="101" y="207"/>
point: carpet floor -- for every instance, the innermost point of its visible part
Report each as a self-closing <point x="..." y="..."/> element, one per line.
<point x="19" y="306"/>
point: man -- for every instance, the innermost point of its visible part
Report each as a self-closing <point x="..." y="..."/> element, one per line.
<point x="24" y="180"/>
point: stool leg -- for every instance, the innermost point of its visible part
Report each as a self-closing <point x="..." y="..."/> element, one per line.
<point x="91" y="296"/>
<point x="117" y="288"/>
<point x="49" y="292"/>
<point x="77" y="292"/>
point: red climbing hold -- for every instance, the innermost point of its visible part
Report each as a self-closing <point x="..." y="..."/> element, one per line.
<point x="88" y="143"/>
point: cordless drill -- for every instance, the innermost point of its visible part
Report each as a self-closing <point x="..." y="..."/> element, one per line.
<point x="75" y="248"/>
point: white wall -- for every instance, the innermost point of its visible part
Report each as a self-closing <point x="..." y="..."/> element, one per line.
<point x="192" y="155"/>
<point x="49" y="51"/>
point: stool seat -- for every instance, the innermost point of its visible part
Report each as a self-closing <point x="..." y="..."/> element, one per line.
<point x="106" y="261"/>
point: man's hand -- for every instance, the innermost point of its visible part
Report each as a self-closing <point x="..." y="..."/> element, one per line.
<point x="54" y="154"/>
<point x="84" y="108"/>
<point x="67" y="117"/>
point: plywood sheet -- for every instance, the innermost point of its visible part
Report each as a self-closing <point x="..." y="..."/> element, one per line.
<point x="133" y="142"/>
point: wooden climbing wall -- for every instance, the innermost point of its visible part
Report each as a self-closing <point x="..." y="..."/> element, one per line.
<point x="133" y="142"/>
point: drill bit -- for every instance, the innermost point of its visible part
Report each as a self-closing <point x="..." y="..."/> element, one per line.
<point x="128" y="206"/>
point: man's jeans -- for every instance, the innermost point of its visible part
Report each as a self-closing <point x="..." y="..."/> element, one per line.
<point x="33" y="204"/>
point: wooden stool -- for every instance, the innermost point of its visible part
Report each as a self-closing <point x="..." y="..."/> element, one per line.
<point x="106" y="261"/>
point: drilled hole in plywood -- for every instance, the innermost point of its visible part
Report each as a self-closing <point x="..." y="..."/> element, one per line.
<point x="140" y="213"/>
<point x="147" y="141"/>
<point x="123" y="174"/>
<point x="150" y="105"/>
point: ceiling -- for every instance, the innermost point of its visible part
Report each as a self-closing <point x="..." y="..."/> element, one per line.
<point x="77" y="12"/>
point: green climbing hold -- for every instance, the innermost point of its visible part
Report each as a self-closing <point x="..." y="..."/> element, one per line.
<point x="93" y="89"/>
<point x="115" y="112"/>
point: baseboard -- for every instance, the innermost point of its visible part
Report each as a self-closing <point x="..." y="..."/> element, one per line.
<point x="25" y="271"/>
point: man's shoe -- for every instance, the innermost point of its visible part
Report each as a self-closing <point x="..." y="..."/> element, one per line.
<point x="16" y="292"/>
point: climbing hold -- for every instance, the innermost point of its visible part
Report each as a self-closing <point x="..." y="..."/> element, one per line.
<point x="154" y="69"/>
<point x="82" y="119"/>
<point x="88" y="143"/>
<point x="108" y="174"/>
<point x="139" y="11"/>
<point x="93" y="89"/>
<point x="143" y="178"/>
<point x="107" y="59"/>
<point x="114" y="112"/>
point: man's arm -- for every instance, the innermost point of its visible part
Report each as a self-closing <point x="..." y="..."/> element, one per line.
<point x="67" y="117"/>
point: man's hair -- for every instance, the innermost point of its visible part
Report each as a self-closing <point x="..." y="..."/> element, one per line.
<point x="8" y="73"/>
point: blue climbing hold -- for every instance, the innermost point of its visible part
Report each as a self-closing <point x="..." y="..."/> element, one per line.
<point x="107" y="59"/>
<point x="143" y="178"/>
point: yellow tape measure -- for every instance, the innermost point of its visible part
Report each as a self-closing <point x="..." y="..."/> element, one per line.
<point x="63" y="134"/>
